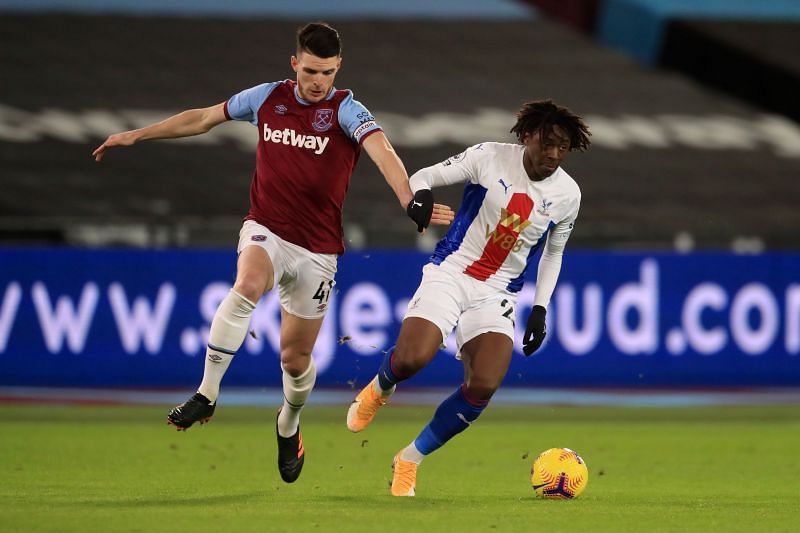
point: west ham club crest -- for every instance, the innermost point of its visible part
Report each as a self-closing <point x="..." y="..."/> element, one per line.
<point x="323" y="119"/>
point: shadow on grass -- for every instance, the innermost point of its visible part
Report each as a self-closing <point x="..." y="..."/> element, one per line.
<point x="387" y="500"/>
<point x="167" y="500"/>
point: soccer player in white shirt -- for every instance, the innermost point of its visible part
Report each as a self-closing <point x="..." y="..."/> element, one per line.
<point x="517" y="200"/>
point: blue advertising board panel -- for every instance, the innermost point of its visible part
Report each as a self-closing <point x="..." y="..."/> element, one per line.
<point x="130" y="318"/>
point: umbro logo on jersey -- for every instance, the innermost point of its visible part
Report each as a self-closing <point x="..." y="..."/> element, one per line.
<point x="503" y="183"/>
<point x="258" y="238"/>
<point x="281" y="109"/>
<point x="292" y="138"/>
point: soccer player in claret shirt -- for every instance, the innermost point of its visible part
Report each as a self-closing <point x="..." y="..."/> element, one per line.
<point x="517" y="199"/>
<point x="310" y="137"/>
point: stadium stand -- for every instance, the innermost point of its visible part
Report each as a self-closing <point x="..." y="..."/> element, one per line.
<point x="672" y="161"/>
<point x="756" y="61"/>
<point x="746" y="49"/>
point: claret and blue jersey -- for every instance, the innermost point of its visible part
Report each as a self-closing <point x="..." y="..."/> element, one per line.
<point x="306" y="154"/>
<point x="505" y="217"/>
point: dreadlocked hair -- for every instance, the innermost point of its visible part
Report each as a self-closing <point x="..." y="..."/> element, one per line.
<point x="541" y="115"/>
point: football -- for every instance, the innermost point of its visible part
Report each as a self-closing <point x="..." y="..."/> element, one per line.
<point x="559" y="473"/>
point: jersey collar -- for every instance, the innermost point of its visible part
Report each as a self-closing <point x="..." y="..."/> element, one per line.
<point x="303" y="101"/>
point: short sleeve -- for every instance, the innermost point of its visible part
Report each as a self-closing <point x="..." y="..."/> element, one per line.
<point x="355" y="119"/>
<point x="245" y="105"/>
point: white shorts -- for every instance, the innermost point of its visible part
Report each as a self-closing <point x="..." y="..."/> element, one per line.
<point x="304" y="279"/>
<point x="451" y="299"/>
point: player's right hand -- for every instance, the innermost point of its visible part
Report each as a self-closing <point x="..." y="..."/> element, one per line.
<point x="420" y="209"/>
<point x="118" y="139"/>
<point x="535" y="330"/>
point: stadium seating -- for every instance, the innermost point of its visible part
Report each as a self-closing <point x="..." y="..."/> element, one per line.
<point x="671" y="161"/>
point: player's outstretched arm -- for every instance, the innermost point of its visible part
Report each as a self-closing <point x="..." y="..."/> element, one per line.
<point x="386" y="159"/>
<point x="382" y="153"/>
<point x="185" y="124"/>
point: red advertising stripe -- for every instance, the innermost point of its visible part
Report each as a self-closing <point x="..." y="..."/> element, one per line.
<point x="499" y="243"/>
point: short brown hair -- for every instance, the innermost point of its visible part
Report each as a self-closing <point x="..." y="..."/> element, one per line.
<point x="320" y="39"/>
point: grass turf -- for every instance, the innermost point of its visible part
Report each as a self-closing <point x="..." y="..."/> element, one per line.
<point x="83" y="469"/>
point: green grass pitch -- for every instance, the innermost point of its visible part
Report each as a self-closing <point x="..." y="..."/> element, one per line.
<point x="650" y="469"/>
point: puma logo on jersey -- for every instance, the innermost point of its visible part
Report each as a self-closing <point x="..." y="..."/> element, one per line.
<point x="292" y="138"/>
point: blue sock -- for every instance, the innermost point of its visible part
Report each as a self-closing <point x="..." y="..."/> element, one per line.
<point x="453" y="416"/>
<point x="386" y="376"/>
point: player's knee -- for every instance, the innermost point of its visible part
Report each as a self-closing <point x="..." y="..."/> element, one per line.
<point x="295" y="362"/>
<point x="482" y="388"/>
<point x="249" y="287"/>
<point x="406" y="361"/>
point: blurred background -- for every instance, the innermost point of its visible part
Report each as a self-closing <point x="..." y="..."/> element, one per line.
<point x="682" y="271"/>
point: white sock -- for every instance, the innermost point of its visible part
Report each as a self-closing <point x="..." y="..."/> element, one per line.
<point x="376" y="385"/>
<point x="411" y="453"/>
<point x="295" y="393"/>
<point x="228" y="330"/>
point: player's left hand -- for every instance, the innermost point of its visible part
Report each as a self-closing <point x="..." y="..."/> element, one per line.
<point x="535" y="330"/>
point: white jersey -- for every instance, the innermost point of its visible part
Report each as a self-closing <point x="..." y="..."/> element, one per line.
<point x="504" y="218"/>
